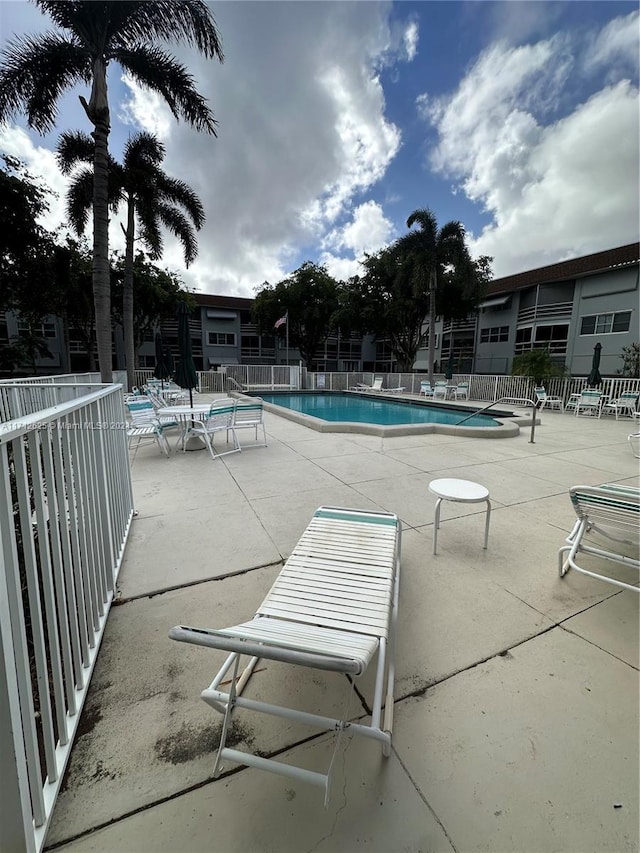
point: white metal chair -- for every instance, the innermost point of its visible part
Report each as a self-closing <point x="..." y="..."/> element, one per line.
<point x="425" y="388"/>
<point x="145" y="426"/>
<point x="440" y="389"/>
<point x="219" y="419"/>
<point x="625" y="403"/>
<point x="613" y="512"/>
<point x="249" y="416"/>
<point x="461" y="391"/>
<point x="333" y="607"/>
<point x="634" y="442"/>
<point x="548" y="401"/>
<point x="590" y="403"/>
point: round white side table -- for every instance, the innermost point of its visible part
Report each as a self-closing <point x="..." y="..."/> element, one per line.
<point x="461" y="491"/>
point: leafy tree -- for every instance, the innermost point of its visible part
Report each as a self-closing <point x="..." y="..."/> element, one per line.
<point x="309" y="297"/>
<point x="631" y="360"/>
<point x="25" y="246"/>
<point x="441" y="267"/>
<point x="37" y="69"/>
<point x="152" y="199"/>
<point x="385" y="302"/>
<point x="538" y="364"/>
<point x="158" y="293"/>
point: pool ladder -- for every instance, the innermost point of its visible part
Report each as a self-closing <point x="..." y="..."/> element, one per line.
<point x="515" y="400"/>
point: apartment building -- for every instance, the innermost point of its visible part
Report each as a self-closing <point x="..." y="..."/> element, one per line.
<point x="566" y="307"/>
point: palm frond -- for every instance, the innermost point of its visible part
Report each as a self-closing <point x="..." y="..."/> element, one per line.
<point x="178" y="224"/>
<point x="425" y="218"/>
<point x="179" y="21"/>
<point x="158" y="71"/>
<point x="143" y="150"/>
<point x="74" y="147"/>
<point x="35" y="71"/>
<point x="80" y="199"/>
<point x="178" y="192"/>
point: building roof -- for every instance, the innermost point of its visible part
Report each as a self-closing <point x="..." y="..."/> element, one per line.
<point x="623" y="256"/>
<point x="208" y="300"/>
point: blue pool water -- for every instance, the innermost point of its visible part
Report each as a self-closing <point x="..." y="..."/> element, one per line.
<point x="354" y="408"/>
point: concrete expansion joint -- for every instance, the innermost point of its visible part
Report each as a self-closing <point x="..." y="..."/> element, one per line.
<point x="199" y="582"/>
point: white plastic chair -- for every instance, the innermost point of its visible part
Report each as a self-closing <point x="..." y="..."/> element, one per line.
<point x="333" y="607"/>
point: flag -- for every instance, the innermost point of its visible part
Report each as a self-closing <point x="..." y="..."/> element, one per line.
<point x="281" y="321"/>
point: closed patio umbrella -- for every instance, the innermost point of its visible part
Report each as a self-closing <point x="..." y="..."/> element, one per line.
<point x="186" y="376"/>
<point x="594" y="379"/>
<point x="160" y="370"/>
<point x="449" y="374"/>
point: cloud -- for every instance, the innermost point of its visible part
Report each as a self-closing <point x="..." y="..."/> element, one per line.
<point x="302" y="133"/>
<point x="616" y="46"/>
<point x="554" y="184"/>
<point x="368" y="231"/>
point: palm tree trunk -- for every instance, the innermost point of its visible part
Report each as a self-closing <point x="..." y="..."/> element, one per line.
<point x="432" y="323"/>
<point x="98" y="112"/>
<point x="127" y="296"/>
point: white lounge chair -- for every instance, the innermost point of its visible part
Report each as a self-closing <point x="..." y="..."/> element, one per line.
<point x="376" y="385"/>
<point x="590" y="403"/>
<point x="613" y="512"/>
<point x="397" y="390"/>
<point x="332" y="607"/>
<point x="625" y="403"/>
<point x="548" y="401"/>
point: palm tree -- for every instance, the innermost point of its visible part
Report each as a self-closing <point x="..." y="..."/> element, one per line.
<point x="151" y="197"/>
<point x="430" y="251"/>
<point x="36" y="70"/>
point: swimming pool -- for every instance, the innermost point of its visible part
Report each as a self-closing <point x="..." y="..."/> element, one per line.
<point x="333" y="411"/>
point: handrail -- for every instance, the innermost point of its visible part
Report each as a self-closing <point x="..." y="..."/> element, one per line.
<point x="233" y="382"/>
<point x="527" y="400"/>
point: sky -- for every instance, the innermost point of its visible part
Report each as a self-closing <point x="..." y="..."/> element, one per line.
<point x="336" y="120"/>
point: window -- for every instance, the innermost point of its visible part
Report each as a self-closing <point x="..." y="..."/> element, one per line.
<point x="45" y="330"/>
<point x="221" y="339"/>
<point x="494" y="335"/>
<point x="604" y="324"/>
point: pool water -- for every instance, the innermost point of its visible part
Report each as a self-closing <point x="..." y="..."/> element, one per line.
<point x="363" y="409"/>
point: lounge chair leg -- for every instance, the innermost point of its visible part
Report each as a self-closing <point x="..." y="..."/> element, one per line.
<point x="227" y="716"/>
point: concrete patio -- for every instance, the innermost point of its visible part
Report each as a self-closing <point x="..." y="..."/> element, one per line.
<point x="516" y="720"/>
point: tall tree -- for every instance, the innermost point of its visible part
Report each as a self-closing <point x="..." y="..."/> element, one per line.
<point x="309" y="298"/>
<point x="441" y="266"/>
<point x="152" y="199"/>
<point x="37" y="69"/>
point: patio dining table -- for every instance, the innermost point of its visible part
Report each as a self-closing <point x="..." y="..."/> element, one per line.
<point x="183" y="415"/>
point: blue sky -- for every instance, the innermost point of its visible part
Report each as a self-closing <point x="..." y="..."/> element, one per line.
<point x="338" y="119"/>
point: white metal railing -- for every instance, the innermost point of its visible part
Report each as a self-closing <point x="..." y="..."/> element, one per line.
<point x="482" y="387"/>
<point x="66" y="506"/>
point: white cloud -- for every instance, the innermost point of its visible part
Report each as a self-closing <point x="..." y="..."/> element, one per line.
<point x="616" y="44"/>
<point x="553" y="186"/>
<point x="368" y="231"/>
<point x="301" y="134"/>
<point x="145" y="110"/>
<point x="411" y="40"/>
